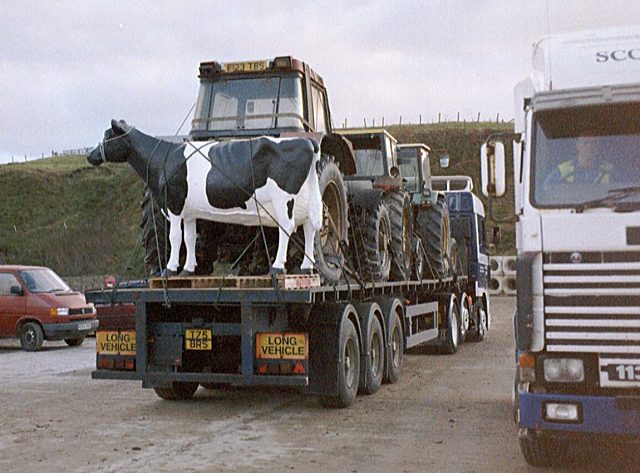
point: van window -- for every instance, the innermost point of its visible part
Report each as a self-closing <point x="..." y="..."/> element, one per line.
<point x="6" y="281"/>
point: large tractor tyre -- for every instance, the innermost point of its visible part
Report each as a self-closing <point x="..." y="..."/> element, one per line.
<point x="179" y="391"/>
<point x="373" y="243"/>
<point x="401" y="216"/>
<point x="542" y="451"/>
<point x="329" y="240"/>
<point x="435" y="232"/>
<point x="155" y="230"/>
<point x="348" y="368"/>
<point x="31" y="336"/>
<point x="449" y="345"/>
<point x="374" y="371"/>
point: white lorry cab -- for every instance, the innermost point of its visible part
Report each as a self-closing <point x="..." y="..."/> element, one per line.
<point x="576" y="151"/>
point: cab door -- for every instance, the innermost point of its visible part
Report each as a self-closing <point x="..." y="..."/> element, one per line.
<point x="12" y="306"/>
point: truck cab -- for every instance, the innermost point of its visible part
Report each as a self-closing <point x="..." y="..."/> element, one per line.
<point x="576" y="151"/>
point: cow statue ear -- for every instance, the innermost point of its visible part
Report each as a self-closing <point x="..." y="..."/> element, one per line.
<point x="120" y="127"/>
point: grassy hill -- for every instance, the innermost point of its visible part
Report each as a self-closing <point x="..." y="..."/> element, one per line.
<point x="78" y="219"/>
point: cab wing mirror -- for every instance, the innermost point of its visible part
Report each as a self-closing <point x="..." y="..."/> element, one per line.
<point x="492" y="169"/>
<point x="16" y="291"/>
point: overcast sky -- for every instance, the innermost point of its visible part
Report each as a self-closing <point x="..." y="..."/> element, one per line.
<point x="67" y="68"/>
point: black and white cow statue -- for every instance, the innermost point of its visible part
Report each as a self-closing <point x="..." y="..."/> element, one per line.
<point x="260" y="181"/>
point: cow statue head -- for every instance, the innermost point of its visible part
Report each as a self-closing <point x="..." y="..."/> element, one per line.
<point x="113" y="148"/>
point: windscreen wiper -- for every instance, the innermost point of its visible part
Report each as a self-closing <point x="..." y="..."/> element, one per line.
<point x="614" y="196"/>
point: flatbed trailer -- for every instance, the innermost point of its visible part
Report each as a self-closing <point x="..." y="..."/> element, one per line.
<point x="334" y="341"/>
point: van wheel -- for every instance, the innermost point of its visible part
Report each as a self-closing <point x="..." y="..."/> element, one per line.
<point x="31" y="337"/>
<point x="74" y="342"/>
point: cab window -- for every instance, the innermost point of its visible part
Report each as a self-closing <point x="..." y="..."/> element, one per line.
<point x="318" y="110"/>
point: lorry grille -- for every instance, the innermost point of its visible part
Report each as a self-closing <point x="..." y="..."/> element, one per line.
<point x="592" y="306"/>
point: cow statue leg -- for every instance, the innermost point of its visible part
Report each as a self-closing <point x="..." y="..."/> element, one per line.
<point x="286" y="227"/>
<point x="309" y="234"/>
<point x="175" y="240"/>
<point x="190" y="243"/>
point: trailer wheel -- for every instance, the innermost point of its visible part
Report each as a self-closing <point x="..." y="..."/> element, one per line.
<point x="540" y="450"/>
<point x="348" y="368"/>
<point x="74" y="342"/>
<point x="179" y="391"/>
<point x="375" y="370"/>
<point x="31" y="336"/>
<point x="374" y="243"/>
<point x="401" y="218"/>
<point x="435" y="232"/>
<point x="395" y="350"/>
<point x="449" y="345"/>
<point x="328" y="254"/>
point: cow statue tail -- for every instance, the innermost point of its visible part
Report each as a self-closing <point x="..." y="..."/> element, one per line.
<point x="315" y="198"/>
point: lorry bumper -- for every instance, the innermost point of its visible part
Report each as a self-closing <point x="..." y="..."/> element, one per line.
<point x="597" y="414"/>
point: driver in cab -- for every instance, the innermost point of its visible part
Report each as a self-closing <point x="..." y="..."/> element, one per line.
<point x="588" y="167"/>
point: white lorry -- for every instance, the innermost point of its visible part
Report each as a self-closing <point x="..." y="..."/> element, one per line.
<point x="576" y="150"/>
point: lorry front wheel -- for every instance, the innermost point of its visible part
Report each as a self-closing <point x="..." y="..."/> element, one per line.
<point x="451" y="339"/>
<point x="479" y="323"/>
<point x="31" y="336"/>
<point x="179" y="391"/>
<point x="74" y="342"/>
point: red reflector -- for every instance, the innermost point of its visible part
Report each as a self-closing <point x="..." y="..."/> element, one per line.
<point x="104" y="364"/>
<point x="262" y="369"/>
<point x="130" y="364"/>
<point x="298" y="369"/>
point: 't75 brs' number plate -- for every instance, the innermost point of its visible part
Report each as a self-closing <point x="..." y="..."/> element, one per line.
<point x="619" y="372"/>
<point x="198" y="339"/>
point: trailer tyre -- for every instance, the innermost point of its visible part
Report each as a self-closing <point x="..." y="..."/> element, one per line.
<point x="375" y="370"/>
<point x="401" y="219"/>
<point x="449" y="345"/>
<point x="31" y="336"/>
<point x="395" y="350"/>
<point x="348" y="368"/>
<point x="179" y="391"/>
<point x="74" y="342"/>
<point x="540" y="450"/>
<point x="328" y="253"/>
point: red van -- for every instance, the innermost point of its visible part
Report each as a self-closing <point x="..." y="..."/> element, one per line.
<point x="37" y="305"/>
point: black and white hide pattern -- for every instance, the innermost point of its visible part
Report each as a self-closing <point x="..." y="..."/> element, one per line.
<point x="221" y="181"/>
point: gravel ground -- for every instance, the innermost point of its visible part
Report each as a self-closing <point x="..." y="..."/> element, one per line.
<point x="447" y="414"/>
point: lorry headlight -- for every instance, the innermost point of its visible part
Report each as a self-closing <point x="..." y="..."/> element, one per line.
<point x="563" y="370"/>
<point x="63" y="311"/>
<point x="562" y="412"/>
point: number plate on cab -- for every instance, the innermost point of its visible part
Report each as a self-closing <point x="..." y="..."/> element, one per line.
<point x="246" y="66"/>
<point x="281" y="346"/>
<point x="198" y="339"/>
<point x="619" y="372"/>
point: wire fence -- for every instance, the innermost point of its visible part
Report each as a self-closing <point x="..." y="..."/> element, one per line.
<point x="424" y="120"/>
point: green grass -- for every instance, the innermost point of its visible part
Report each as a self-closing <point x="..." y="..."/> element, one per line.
<point x="79" y="219"/>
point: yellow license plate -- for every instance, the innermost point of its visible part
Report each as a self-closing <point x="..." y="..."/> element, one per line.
<point x="281" y="346"/>
<point x="246" y="66"/>
<point x="116" y="342"/>
<point x="198" y="339"/>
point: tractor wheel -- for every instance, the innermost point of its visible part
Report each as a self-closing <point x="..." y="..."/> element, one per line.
<point x="435" y="232"/>
<point x="155" y="229"/>
<point x="401" y="216"/>
<point x="373" y="242"/>
<point x="328" y="254"/>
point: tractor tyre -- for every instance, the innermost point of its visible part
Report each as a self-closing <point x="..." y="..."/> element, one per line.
<point x="435" y="232"/>
<point x="335" y="225"/>
<point x="373" y="243"/>
<point x="401" y="216"/>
